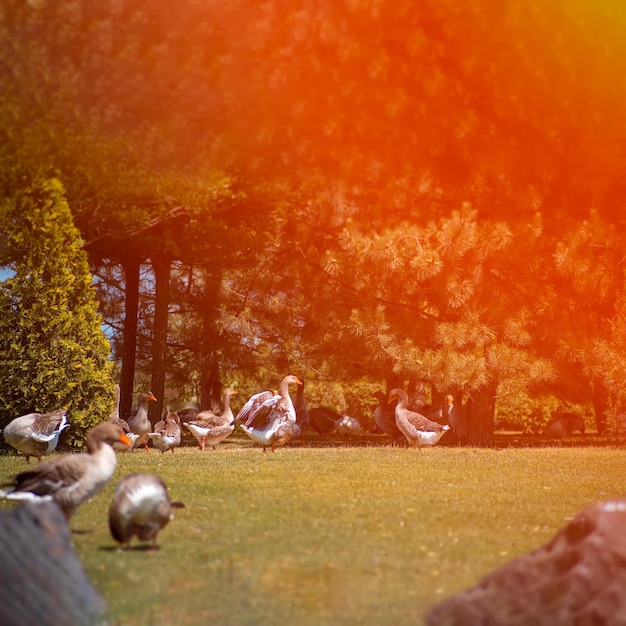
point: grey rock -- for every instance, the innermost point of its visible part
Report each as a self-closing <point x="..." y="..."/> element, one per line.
<point x="578" y="578"/>
<point x="42" y="581"/>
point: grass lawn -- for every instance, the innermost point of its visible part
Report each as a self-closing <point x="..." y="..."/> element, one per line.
<point x="336" y="535"/>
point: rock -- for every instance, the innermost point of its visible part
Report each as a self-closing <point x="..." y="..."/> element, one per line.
<point x="42" y="580"/>
<point x="577" y="578"/>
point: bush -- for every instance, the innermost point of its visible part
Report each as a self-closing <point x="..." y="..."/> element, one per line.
<point x="52" y="347"/>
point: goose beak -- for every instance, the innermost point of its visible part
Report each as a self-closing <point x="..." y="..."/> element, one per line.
<point x="124" y="439"/>
<point x="298" y="381"/>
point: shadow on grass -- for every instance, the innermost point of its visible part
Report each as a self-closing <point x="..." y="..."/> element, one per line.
<point x="142" y="547"/>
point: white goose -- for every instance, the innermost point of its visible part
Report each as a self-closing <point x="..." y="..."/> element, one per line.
<point x="140" y="507"/>
<point x="36" y="434"/>
<point x="271" y="423"/>
<point x="72" y="479"/>
<point x="209" y="428"/>
<point x="418" y="429"/>
<point x="166" y="433"/>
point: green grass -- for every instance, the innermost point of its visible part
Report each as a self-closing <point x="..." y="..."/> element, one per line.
<point x="344" y="535"/>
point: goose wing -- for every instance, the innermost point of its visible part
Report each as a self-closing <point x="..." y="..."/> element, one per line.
<point x="421" y="422"/>
<point x="253" y="404"/>
<point x="47" y="425"/>
<point x="209" y="419"/>
<point x="267" y="413"/>
<point x="47" y="478"/>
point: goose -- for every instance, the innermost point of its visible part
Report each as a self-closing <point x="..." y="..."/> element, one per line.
<point x="324" y="419"/>
<point x="458" y="419"/>
<point x="115" y="413"/>
<point x="418" y="429"/>
<point x="302" y="414"/>
<point x="210" y="428"/>
<point x="385" y="417"/>
<point x="187" y="415"/>
<point x="72" y="479"/>
<point x="349" y="426"/>
<point x="132" y="437"/>
<point x="141" y="507"/>
<point x="140" y="423"/>
<point x="114" y="418"/>
<point x="36" y="434"/>
<point x="166" y="433"/>
<point x="271" y="422"/>
<point x="572" y="421"/>
<point x="555" y="429"/>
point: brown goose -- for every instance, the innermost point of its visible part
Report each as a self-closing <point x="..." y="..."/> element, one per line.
<point x="140" y="423"/>
<point x="418" y="429"/>
<point x="140" y="507"/>
<point x="210" y="428"/>
<point x="72" y="479"/>
<point x="271" y="423"/>
<point x="36" y="434"/>
<point x="166" y="433"/>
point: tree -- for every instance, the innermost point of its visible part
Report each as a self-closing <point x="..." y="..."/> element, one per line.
<point x="429" y="300"/>
<point x="376" y="267"/>
<point x="52" y="347"/>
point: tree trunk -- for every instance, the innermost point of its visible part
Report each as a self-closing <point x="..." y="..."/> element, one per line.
<point x="162" y="267"/>
<point x="130" y="265"/>
<point x="480" y="412"/>
<point x="210" y="384"/>
<point x="600" y="404"/>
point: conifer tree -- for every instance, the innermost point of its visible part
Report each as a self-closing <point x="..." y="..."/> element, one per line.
<point x="53" y="351"/>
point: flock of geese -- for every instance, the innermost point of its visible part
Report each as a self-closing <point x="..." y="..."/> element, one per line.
<point x="141" y="506"/>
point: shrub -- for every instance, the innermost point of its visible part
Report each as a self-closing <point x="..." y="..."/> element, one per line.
<point x="52" y="347"/>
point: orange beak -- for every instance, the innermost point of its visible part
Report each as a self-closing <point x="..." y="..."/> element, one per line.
<point x="124" y="439"/>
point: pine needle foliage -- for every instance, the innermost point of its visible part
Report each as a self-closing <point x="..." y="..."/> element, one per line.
<point x="53" y="350"/>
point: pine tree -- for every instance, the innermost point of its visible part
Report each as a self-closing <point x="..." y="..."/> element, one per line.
<point x="53" y="351"/>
